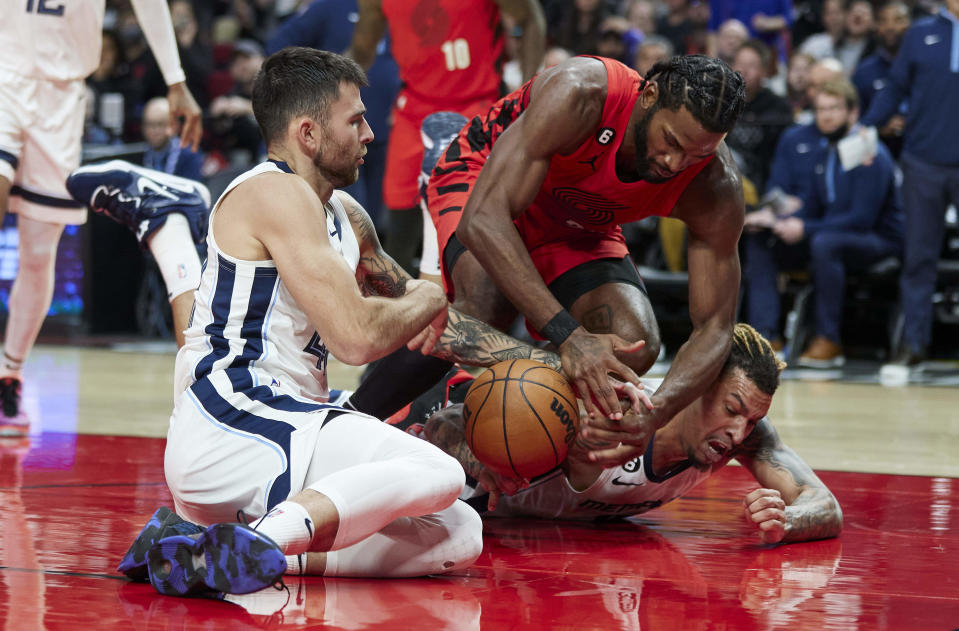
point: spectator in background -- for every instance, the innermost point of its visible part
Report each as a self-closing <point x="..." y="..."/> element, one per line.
<point x="164" y="152"/>
<point x="850" y="220"/>
<point x="233" y="122"/>
<point x="822" y="71"/>
<point x="730" y="36"/>
<point x="797" y="81"/>
<point x="642" y="17"/>
<point x="926" y="73"/>
<point x="675" y="25"/>
<point x="612" y="42"/>
<point x="858" y="38"/>
<point x="577" y="28"/>
<point x="767" y="20"/>
<point x="833" y="18"/>
<point x="872" y="74"/>
<point x="327" y="25"/>
<point x="111" y="77"/>
<point x="753" y="139"/>
<point x="653" y="50"/>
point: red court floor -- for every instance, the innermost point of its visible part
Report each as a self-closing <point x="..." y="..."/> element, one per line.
<point x="70" y="505"/>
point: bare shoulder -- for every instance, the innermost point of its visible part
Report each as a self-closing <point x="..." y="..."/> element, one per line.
<point x="275" y="191"/>
<point x="566" y="104"/>
<point x="581" y="78"/>
<point x="714" y="199"/>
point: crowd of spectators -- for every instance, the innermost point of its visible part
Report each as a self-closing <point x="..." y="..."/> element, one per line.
<point x="813" y="69"/>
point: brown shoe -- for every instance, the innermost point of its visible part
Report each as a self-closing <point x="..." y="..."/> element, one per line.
<point x="822" y="353"/>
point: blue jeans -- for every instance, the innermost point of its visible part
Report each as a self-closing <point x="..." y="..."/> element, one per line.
<point x="926" y="192"/>
<point x="829" y="255"/>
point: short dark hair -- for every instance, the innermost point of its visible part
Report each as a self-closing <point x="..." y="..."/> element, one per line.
<point x="712" y="91"/>
<point x="754" y="355"/>
<point x="297" y="81"/>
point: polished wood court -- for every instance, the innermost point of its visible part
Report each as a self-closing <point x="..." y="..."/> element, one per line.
<point x="74" y="495"/>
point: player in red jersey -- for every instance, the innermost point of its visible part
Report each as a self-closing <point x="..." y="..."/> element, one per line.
<point x="527" y="203"/>
<point x="449" y="54"/>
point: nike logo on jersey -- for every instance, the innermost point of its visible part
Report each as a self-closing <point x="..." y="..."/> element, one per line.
<point x="144" y="184"/>
<point x="616" y="482"/>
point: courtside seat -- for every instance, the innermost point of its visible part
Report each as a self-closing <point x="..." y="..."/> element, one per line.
<point x="870" y="295"/>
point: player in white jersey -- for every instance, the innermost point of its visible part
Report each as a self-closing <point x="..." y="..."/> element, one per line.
<point x="295" y="272"/>
<point x="728" y="421"/>
<point x="49" y="47"/>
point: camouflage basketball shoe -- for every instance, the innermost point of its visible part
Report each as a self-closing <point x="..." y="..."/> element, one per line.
<point x="163" y="523"/>
<point x="226" y="558"/>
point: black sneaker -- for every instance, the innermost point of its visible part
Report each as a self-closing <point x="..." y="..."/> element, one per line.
<point x="10" y="396"/>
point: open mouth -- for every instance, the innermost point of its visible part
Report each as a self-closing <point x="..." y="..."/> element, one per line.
<point x="717" y="448"/>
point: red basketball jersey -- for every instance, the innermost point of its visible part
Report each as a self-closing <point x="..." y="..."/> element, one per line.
<point x="582" y="189"/>
<point x="448" y="51"/>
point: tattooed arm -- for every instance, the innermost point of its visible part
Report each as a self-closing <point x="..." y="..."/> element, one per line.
<point x="465" y="339"/>
<point x="445" y="429"/>
<point x="794" y="504"/>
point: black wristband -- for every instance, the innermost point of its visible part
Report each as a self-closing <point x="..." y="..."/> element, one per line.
<point x="560" y="327"/>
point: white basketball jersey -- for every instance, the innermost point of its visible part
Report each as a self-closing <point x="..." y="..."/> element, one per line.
<point x="247" y="325"/>
<point x="51" y="39"/>
<point x="627" y="490"/>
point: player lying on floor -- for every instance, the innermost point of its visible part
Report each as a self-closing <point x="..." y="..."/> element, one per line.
<point x="728" y="421"/>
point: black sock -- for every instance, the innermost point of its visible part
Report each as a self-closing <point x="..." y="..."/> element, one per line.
<point x="395" y="381"/>
<point x="403" y="236"/>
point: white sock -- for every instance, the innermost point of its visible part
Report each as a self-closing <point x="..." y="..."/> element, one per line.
<point x="289" y="525"/>
<point x="172" y="247"/>
<point x="296" y="564"/>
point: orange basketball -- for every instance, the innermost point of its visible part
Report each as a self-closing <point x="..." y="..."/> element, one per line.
<point x="521" y="416"/>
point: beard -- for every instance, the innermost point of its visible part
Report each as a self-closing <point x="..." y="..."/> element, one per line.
<point x="337" y="165"/>
<point x="643" y="164"/>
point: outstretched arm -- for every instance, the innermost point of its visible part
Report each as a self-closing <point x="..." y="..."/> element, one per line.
<point x="793" y="503"/>
<point x="368" y="32"/>
<point x="712" y="209"/>
<point x="713" y="212"/>
<point x="462" y="338"/>
<point x="157" y="25"/>
<point x="529" y="17"/>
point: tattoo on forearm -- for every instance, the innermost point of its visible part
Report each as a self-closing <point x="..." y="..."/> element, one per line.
<point x="449" y="437"/>
<point x="814" y="515"/>
<point x="599" y="319"/>
<point x="381" y="276"/>
<point x="473" y="342"/>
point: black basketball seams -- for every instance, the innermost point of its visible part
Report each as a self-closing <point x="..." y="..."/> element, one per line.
<point x="542" y="425"/>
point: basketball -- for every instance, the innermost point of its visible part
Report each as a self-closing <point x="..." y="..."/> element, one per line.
<point x="521" y="416"/>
